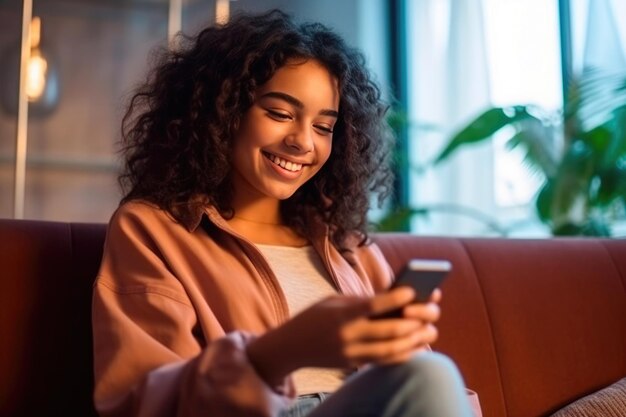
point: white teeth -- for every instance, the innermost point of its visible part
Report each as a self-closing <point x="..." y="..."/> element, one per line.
<point x="283" y="163"/>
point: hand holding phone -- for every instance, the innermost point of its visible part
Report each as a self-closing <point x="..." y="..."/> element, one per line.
<point x="423" y="275"/>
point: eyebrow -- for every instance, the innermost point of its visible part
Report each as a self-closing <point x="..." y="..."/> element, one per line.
<point x="297" y="103"/>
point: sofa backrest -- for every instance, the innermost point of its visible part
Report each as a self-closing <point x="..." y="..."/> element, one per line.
<point x="47" y="271"/>
<point x="532" y="324"/>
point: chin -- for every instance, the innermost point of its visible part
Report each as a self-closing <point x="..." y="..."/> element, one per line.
<point x="281" y="194"/>
<point x="281" y="191"/>
<point x="284" y="196"/>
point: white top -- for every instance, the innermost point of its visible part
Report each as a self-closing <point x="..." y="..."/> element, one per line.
<point x="304" y="281"/>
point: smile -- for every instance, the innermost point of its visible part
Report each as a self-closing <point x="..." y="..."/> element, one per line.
<point x="283" y="163"/>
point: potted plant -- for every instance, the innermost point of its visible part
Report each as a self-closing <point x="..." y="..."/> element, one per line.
<point x="580" y="152"/>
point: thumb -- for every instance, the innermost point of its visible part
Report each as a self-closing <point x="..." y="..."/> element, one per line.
<point x="391" y="300"/>
<point x="347" y="307"/>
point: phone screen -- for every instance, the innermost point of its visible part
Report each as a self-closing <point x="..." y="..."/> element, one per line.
<point x="423" y="275"/>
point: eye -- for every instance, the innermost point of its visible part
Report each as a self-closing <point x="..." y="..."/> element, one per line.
<point x="325" y="129"/>
<point x="278" y="115"/>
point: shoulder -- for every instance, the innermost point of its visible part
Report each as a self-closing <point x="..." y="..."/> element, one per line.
<point x="141" y="212"/>
<point x="137" y="210"/>
<point x="139" y="219"/>
<point x="136" y="259"/>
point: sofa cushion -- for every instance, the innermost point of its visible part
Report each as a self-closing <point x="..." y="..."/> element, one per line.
<point x="608" y="402"/>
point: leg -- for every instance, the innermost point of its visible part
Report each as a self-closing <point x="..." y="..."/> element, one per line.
<point x="429" y="385"/>
<point x="304" y="405"/>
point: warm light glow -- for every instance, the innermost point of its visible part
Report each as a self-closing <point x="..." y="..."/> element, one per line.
<point x="222" y="11"/>
<point x="36" y="76"/>
<point x="37" y="64"/>
<point x="35" y="32"/>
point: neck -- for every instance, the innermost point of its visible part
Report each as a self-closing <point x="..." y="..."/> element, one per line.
<point x="259" y="226"/>
<point x="259" y="210"/>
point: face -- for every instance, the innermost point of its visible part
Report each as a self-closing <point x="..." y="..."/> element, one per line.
<point x="285" y="138"/>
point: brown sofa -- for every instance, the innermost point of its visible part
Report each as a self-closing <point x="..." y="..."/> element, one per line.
<point x="532" y="324"/>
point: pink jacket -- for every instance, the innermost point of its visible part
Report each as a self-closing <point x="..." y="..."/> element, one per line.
<point x="174" y="306"/>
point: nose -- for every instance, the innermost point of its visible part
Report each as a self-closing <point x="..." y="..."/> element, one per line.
<point x="300" y="138"/>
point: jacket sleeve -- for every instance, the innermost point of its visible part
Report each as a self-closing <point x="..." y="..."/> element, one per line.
<point x="148" y="359"/>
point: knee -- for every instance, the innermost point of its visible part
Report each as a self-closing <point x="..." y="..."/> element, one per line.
<point x="432" y="361"/>
<point x="433" y="369"/>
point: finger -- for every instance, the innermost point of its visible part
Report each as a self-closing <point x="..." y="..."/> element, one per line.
<point x="392" y="360"/>
<point x="427" y="335"/>
<point x="384" y="351"/>
<point x="348" y="307"/>
<point x="421" y="340"/>
<point x="381" y="353"/>
<point x="380" y="350"/>
<point x="424" y="312"/>
<point x="435" y="297"/>
<point x="384" y="329"/>
<point x="391" y="300"/>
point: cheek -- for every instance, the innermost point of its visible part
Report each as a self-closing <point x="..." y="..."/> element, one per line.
<point x="324" y="152"/>
<point x="246" y="137"/>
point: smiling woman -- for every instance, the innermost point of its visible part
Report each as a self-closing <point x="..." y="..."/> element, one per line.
<point x="283" y="139"/>
<point x="237" y="272"/>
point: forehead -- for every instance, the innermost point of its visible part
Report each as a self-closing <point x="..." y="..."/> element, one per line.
<point x="309" y="81"/>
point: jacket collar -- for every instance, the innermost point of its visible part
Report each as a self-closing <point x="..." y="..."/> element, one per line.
<point x="191" y="214"/>
<point x="338" y="265"/>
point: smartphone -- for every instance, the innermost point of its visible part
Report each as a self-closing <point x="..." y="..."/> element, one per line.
<point x="423" y="275"/>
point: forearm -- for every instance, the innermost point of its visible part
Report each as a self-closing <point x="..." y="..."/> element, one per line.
<point x="225" y="383"/>
<point x="271" y="356"/>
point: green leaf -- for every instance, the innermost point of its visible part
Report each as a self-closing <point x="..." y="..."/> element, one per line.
<point x="612" y="185"/>
<point x="483" y="127"/>
<point x="616" y="148"/>
<point x="593" y="97"/>
<point x="396" y="220"/>
<point x="598" y="138"/>
<point x="593" y="227"/>
<point x="572" y="180"/>
<point x="544" y="201"/>
<point x="567" y="229"/>
<point x="535" y="139"/>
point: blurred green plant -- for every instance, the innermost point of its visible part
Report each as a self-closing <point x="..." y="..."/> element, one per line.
<point x="399" y="218"/>
<point x="580" y="151"/>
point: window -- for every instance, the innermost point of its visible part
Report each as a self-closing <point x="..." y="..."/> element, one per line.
<point x="464" y="57"/>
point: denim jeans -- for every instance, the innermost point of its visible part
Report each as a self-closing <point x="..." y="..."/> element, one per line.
<point x="429" y="385"/>
<point x="305" y="404"/>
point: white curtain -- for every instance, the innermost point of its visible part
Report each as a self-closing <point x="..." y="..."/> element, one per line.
<point x="448" y="84"/>
<point x="603" y="43"/>
<point x="466" y="56"/>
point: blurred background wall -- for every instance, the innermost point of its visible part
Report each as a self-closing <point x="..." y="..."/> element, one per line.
<point x="96" y="51"/>
<point x="441" y="63"/>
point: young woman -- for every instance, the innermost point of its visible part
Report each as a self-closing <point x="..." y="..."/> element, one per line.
<point x="237" y="277"/>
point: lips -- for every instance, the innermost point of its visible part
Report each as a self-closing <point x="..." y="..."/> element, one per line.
<point x="283" y="163"/>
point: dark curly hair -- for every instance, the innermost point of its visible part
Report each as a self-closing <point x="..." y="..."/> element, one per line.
<point x="178" y="129"/>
